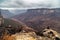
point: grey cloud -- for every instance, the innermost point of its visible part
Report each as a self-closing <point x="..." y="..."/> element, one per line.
<point x="21" y="4"/>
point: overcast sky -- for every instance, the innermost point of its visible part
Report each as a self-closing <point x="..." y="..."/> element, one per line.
<point x="29" y="3"/>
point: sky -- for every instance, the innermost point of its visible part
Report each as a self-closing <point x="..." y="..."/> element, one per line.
<point x="29" y="4"/>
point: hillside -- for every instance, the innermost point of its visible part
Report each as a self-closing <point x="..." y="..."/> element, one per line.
<point x="12" y="26"/>
<point x="41" y="18"/>
<point x="12" y="22"/>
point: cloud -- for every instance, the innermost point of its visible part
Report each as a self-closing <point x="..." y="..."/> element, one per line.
<point x="30" y="4"/>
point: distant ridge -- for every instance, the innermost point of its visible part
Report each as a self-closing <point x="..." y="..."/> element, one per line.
<point x="6" y="13"/>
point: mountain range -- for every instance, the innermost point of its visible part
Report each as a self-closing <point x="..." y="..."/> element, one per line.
<point x="41" y="18"/>
<point x="37" y="19"/>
